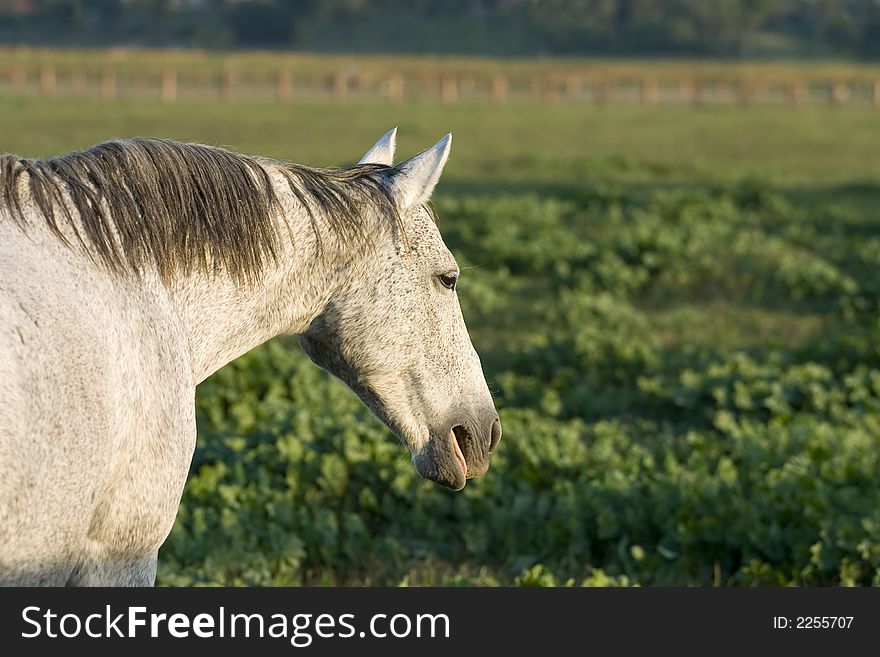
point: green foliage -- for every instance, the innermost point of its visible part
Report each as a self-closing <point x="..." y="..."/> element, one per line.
<point x="689" y="381"/>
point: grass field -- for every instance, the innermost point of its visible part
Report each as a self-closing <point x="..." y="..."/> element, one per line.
<point x="678" y="309"/>
<point x="565" y="146"/>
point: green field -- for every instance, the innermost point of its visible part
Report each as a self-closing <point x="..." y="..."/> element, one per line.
<point x="677" y="310"/>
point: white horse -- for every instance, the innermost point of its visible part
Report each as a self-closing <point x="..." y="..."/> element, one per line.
<point x="132" y="271"/>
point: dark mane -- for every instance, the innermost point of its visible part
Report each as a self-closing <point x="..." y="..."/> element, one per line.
<point x="183" y="207"/>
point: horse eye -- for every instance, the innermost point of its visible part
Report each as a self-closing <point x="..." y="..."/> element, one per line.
<point x="448" y="280"/>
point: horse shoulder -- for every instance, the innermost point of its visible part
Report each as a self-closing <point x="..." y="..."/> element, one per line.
<point x="97" y="412"/>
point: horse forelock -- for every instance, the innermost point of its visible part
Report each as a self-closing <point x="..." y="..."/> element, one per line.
<point x="184" y="207"/>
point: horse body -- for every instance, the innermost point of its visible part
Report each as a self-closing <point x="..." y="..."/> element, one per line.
<point x="98" y="368"/>
<point x="96" y="443"/>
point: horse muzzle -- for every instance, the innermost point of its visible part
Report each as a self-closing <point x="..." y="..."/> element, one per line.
<point x="462" y="452"/>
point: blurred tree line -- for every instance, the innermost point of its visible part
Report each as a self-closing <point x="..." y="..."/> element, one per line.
<point x="720" y="28"/>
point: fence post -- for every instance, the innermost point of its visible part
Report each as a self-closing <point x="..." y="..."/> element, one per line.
<point x="498" y="90"/>
<point x="395" y="88"/>
<point x="169" y="86"/>
<point x="839" y="93"/>
<point x="550" y="90"/>
<point x="794" y="93"/>
<point x="686" y="91"/>
<point x="650" y="91"/>
<point x="876" y="94"/>
<point x="48" y="81"/>
<point x="108" y="84"/>
<point x="284" y="86"/>
<point x="227" y="85"/>
<point x="448" y="89"/>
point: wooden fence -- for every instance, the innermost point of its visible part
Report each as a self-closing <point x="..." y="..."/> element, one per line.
<point x="588" y="87"/>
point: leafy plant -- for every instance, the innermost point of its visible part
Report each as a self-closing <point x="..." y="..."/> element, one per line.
<point x="689" y="382"/>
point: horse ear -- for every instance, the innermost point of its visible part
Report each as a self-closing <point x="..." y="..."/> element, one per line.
<point x="413" y="181"/>
<point x="383" y="151"/>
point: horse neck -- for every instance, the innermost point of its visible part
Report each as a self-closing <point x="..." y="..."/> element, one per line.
<point x="225" y="318"/>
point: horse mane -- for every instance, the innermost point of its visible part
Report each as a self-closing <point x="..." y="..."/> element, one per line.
<point x="184" y="207"/>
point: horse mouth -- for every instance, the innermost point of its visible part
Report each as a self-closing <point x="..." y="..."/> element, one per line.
<point x="457" y="435"/>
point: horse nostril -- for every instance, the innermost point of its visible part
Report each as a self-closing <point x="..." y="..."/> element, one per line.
<point x="496" y="435"/>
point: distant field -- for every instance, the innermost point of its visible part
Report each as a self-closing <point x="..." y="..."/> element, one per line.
<point x="568" y="146"/>
<point x="676" y="307"/>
